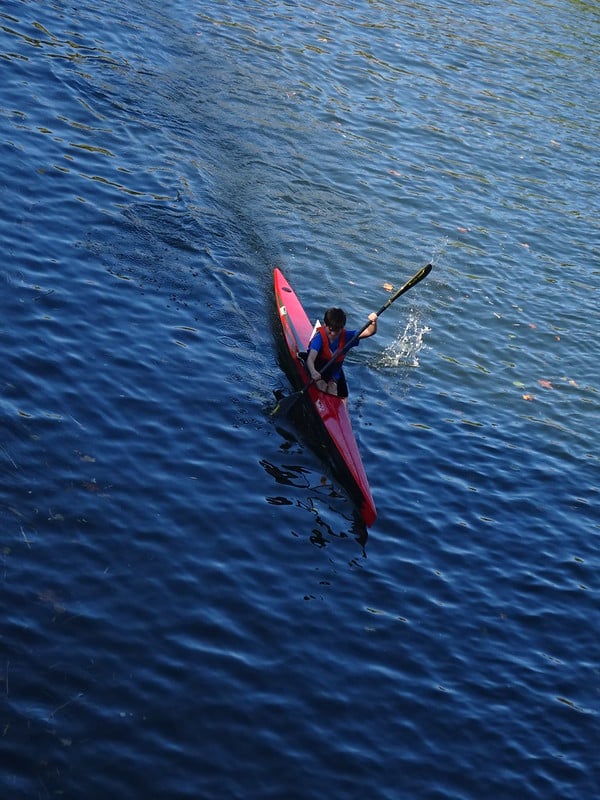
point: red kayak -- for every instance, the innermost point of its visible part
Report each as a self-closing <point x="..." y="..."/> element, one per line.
<point x="332" y="411"/>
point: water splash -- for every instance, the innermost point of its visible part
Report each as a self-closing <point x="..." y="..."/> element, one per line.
<point x="405" y="349"/>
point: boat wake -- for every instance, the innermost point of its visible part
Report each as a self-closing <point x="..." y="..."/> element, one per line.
<point x="404" y="350"/>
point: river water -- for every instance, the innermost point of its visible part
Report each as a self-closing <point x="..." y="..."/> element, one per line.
<point x="190" y="607"/>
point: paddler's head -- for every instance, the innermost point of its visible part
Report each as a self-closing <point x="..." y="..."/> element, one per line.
<point x="335" y="320"/>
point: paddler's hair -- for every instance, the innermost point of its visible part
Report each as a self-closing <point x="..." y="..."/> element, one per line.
<point x="335" y="318"/>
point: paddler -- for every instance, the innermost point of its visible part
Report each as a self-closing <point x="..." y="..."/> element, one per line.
<point x="329" y="338"/>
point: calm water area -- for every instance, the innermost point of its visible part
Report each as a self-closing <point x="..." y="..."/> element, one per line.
<point x="190" y="606"/>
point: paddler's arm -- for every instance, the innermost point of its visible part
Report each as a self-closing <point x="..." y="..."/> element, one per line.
<point x="372" y="327"/>
<point x="310" y="365"/>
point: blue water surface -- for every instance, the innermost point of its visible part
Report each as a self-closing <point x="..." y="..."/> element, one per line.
<point x="191" y="606"/>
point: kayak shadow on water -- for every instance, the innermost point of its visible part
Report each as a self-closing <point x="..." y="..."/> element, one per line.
<point x="322" y="495"/>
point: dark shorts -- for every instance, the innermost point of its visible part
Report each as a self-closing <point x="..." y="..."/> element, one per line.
<point x="342" y="386"/>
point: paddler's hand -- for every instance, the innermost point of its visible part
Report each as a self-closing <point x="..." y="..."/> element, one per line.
<point x="320" y="383"/>
<point x="371" y="328"/>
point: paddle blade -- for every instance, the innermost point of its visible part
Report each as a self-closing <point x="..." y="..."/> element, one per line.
<point x="417" y="278"/>
<point x="285" y="404"/>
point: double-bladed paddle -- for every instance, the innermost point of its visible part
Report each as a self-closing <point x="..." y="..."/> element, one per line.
<point x="287" y="402"/>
